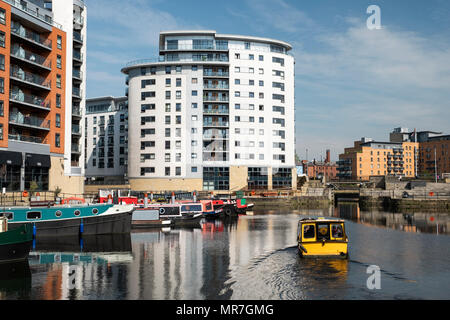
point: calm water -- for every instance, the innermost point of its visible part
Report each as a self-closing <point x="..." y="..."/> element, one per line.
<point x="251" y="257"/>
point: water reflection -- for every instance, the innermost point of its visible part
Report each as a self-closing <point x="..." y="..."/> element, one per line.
<point x="438" y="223"/>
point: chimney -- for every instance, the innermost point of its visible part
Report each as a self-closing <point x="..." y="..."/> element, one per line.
<point x="327" y="158"/>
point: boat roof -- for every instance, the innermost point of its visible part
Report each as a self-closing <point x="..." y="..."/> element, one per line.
<point x="321" y="219"/>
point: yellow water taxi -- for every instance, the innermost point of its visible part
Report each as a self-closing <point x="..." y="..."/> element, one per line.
<point x="322" y="237"/>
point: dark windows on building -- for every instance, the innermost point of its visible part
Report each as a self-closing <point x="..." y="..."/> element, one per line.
<point x="145" y="170"/>
<point x="216" y="178"/>
<point x="281" y="178"/>
<point x="257" y="178"/>
<point x="145" y="107"/>
<point x="147" y="94"/>
<point x="147" y="82"/>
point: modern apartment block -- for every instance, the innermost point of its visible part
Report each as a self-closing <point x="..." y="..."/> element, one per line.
<point x="369" y="158"/>
<point x="35" y="47"/>
<point x="213" y="112"/>
<point x="433" y="158"/>
<point x="106" y="132"/>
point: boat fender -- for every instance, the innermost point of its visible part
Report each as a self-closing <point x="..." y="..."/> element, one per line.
<point x="302" y="248"/>
<point x="81" y="226"/>
<point x="34" y="230"/>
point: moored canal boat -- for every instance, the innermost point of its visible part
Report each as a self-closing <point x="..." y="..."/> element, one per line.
<point x="180" y="214"/>
<point x="322" y="237"/>
<point x="70" y="220"/>
<point x="15" y="244"/>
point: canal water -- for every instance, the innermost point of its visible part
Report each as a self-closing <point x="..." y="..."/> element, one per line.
<point x="249" y="257"/>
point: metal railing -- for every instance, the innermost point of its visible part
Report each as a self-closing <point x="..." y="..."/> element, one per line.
<point x="194" y="47"/>
<point x="76" y="128"/>
<point x="29" y="77"/>
<point x="46" y="19"/>
<point x="78" y="55"/>
<point x="19" y="118"/>
<point x="31" y="56"/>
<point x="77" y="36"/>
<point x="211" y="98"/>
<point x="215" y="74"/>
<point x="30" y="99"/>
<point x="19" y="137"/>
<point x="77" y="73"/>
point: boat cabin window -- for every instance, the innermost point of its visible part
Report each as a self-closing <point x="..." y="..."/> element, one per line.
<point x="309" y="231"/>
<point x="323" y="232"/>
<point x="8" y="215"/>
<point x="167" y="211"/>
<point x="191" y="208"/>
<point x="34" y="215"/>
<point x="58" y="213"/>
<point x="77" y="212"/>
<point x="94" y="211"/>
<point x="336" y="231"/>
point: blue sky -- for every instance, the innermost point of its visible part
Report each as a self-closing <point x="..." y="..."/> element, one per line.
<point x="350" y="81"/>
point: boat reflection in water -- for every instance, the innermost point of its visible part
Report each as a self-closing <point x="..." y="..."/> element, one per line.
<point x="15" y="280"/>
<point x="437" y="223"/>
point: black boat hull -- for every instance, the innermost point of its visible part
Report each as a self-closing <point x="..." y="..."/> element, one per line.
<point x="15" y="251"/>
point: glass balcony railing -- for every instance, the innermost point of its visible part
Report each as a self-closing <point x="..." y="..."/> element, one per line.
<point x="29" y="77"/>
<point x="76" y="92"/>
<point x="77" y="74"/>
<point x="215" y="123"/>
<point x="76" y="111"/>
<point x="216" y="86"/>
<point x="215" y="98"/>
<point x="21" y="53"/>
<point x="28" y="120"/>
<point x="215" y="73"/>
<point x="76" y="129"/>
<point x="77" y="36"/>
<point x="77" y="55"/>
<point x="29" y="99"/>
<point x="19" y="137"/>
<point x="22" y="6"/>
<point x="76" y="148"/>
<point x="216" y="111"/>
<point x="191" y="46"/>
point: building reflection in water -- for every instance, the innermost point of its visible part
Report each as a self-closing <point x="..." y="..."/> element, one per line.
<point x="437" y="223"/>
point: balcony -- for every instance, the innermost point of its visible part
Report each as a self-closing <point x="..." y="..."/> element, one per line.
<point x="47" y="19"/>
<point x="216" y="86"/>
<point x="215" y="123"/>
<point x="216" y="111"/>
<point x="77" y="56"/>
<point x="215" y="99"/>
<point x="29" y="100"/>
<point x="193" y="47"/>
<point x="216" y="74"/>
<point x="29" y="78"/>
<point x="76" y="111"/>
<point x="76" y="129"/>
<point x="29" y="121"/>
<point x="77" y="74"/>
<point x="32" y="58"/>
<point x="75" y="148"/>
<point x="76" y="92"/>
<point x="77" y="37"/>
<point x="33" y="139"/>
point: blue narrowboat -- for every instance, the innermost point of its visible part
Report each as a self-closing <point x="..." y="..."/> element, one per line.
<point x="70" y="220"/>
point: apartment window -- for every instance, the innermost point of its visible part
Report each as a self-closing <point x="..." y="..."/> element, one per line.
<point x="167" y="94"/>
<point x="237" y="106"/>
<point x="237" y="81"/>
<point x="167" y="171"/>
<point x="2" y="85"/>
<point x="237" y="93"/>
<point x="152" y="70"/>
<point x="251" y="82"/>
<point x="59" y="42"/>
<point x="167" y="157"/>
<point x="58" y="81"/>
<point x="178" y="107"/>
<point x="144" y="132"/>
<point x="2" y="39"/>
<point x="237" y="69"/>
<point x="168" y="69"/>
<point x="193" y="143"/>
<point x="178" y="82"/>
<point x="194" y="93"/>
<point x="144" y="107"/>
<point x="58" y="104"/>
<point x="58" y="120"/>
<point x="261" y="119"/>
<point x="167" y="107"/>
<point x="167" y="132"/>
<point x="237" y="118"/>
<point x="193" y="156"/>
<point x="2" y="108"/>
<point x="1" y="131"/>
<point x="194" y="105"/>
<point x="145" y="144"/>
<point x="2" y="16"/>
<point x="178" y="146"/>
<point x="121" y="161"/>
<point x="247" y="45"/>
<point x="167" y="120"/>
<point x="178" y="120"/>
<point x="278" y="60"/>
<point x="251" y="94"/>
<point x="57" y="140"/>
<point x="194" y="80"/>
<point x="94" y="162"/>
<point x="251" y="57"/>
<point x="193" y="169"/>
<point x="178" y="69"/>
<point x="261" y="107"/>
<point x="168" y="81"/>
<point x="147" y="82"/>
<point x="58" y="62"/>
<point x="261" y="58"/>
<point x="144" y="120"/>
<point x="178" y="171"/>
<point x="2" y="62"/>
<point x="251" y="119"/>
<point x="261" y="95"/>
<point x="237" y="56"/>
<point x="167" y="145"/>
<point x="145" y="170"/>
<point x="251" y="70"/>
<point x="261" y="71"/>
<point x="261" y="83"/>
<point x="261" y="144"/>
<point x="194" y="68"/>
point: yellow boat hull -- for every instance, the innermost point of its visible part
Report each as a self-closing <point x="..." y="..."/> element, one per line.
<point x="327" y="249"/>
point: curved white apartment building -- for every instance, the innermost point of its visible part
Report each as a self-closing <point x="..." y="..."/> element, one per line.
<point x="213" y="112"/>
